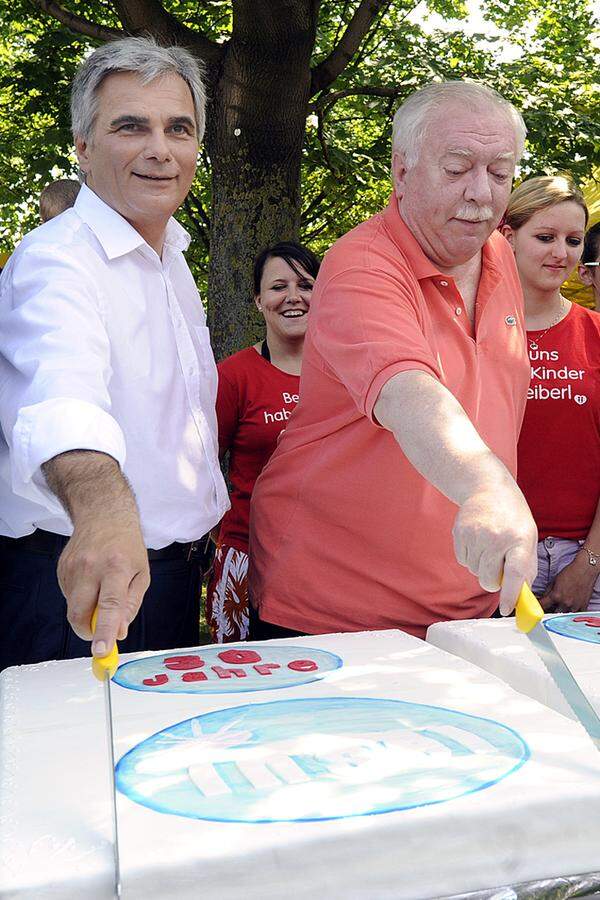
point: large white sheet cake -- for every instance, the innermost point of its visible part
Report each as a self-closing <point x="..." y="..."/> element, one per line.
<point x="342" y="766"/>
<point x="500" y="648"/>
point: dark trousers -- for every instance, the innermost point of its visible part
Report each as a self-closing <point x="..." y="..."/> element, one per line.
<point x="266" y="631"/>
<point x="33" y="610"/>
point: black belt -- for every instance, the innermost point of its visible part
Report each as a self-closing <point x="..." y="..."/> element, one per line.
<point x="41" y="541"/>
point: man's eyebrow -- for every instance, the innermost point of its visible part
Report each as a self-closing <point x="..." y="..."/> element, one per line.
<point x="462" y="151"/>
<point x="144" y="120"/>
<point x="126" y="118"/>
<point x="182" y="120"/>
<point x="458" y="151"/>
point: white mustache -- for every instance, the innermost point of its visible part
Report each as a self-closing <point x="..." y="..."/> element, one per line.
<point x="474" y="213"/>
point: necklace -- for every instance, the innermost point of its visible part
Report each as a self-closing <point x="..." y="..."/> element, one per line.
<point x="535" y="343"/>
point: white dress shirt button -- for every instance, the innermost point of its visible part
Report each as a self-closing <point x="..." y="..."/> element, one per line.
<point x="443" y="284"/>
<point x="458" y="310"/>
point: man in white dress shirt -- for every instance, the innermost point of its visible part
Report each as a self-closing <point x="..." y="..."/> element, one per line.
<point x="109" y="466"/>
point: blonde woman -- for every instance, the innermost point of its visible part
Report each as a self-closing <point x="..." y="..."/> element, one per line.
<point x="559" y="446"/>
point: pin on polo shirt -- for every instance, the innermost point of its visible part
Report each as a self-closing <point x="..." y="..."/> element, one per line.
<point x="511" y="320"/>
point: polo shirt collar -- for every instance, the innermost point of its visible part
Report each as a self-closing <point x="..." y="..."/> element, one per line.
<point x="114" y="233"/>
<point x="419" y="263"/>
<point x="401" y="234"/>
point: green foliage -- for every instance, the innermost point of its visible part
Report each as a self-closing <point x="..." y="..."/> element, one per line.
<point x="37" y="64"/>
<point x="552" y="81"/>
<point x="345" y="173"/>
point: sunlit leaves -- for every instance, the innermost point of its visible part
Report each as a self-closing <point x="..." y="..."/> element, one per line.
<point x="542" y="56"/>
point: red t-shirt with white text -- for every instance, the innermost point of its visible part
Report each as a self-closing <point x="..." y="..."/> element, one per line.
<point x="559" y="446"/>
<point x="254" y="401"/>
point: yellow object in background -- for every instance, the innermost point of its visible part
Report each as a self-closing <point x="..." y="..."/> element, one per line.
<point x="573" y="289"/>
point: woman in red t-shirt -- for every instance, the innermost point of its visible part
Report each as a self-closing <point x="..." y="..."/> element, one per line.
<point x="258" y="389"/>
<point x="559" y="447"/>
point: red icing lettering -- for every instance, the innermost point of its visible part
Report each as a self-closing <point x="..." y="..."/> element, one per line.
<point x="239" y="657"/>
<point x="193" y="676"/>
<point x="183" y="662"/>
<point x="265" y="668"/>
<point x="592" y="621"/>
<point x="227" y="673"/>
<point x="303" y="665"/>
<point x="158" y="679"/>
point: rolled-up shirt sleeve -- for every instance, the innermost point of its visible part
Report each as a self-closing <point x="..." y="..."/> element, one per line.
<point x="54" y="366"/>
<point x="368" y="328"/>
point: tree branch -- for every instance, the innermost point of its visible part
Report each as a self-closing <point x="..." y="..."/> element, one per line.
<point x="370" y="50"/>
<point x="200" y="227"/>
<point x="341" y="22"/>
<point x="150" y="16"/>
<point x="195" y="199"/>
<point x="333" y="65"/>
<point x="324" y="103"/>
<point x="78" y="24"/>
<point x="306" y="218"/>
<point x="313" y="212"/>
<point x="323" y="142"/>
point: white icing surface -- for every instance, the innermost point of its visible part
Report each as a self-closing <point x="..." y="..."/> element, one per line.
<point x="55" y="826"/>
<point x="497" y="646"/>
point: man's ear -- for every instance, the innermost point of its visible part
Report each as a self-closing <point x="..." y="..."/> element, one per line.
<point x="509" y="234"/>
<point x="398" y="172"/>
<point x="584" y="274"/>
<point x="83" y="154"/>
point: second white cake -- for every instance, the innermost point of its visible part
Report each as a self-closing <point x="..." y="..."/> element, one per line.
<point x="497" y="646"/>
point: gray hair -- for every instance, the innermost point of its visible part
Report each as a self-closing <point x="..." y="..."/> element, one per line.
<point x="413" y="116"/>
<point x="149" y="61"/>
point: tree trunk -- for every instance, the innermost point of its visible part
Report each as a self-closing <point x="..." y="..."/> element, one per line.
<point x="256" y="124"/>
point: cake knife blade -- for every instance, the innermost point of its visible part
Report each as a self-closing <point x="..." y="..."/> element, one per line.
<point x="104" y="668"/>
<point x="529" y="615"/>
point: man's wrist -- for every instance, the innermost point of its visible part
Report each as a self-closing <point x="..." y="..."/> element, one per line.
<point x="106" y="520"/>
<point x="92" y="489"/>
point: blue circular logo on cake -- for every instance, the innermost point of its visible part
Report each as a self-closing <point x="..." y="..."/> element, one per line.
<point x="226" y="670"/>
<point x="315" y="759"/>
<point x="580" y="626"/>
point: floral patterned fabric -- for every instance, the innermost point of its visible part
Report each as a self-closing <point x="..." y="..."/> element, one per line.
<point x="227" y="596"/>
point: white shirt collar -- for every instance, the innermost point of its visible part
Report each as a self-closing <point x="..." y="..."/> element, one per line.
<point x="114" y="233"/>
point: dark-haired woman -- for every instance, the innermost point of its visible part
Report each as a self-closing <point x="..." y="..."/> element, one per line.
<point x="258" y="389"/>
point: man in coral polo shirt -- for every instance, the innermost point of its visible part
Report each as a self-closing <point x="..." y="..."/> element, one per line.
<point x="390" y="500"/>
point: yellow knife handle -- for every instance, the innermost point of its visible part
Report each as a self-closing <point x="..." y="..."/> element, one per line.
<point x="103" y="664"/>
<point x="528" y="611"/>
